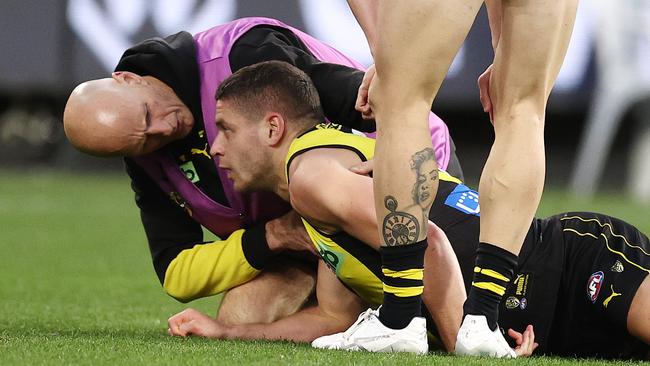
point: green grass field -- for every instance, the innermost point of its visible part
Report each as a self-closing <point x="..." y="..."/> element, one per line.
<point x="77" y="285"/>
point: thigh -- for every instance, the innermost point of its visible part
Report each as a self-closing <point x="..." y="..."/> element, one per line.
<point x="418" y="41"/>
<point x="280" y="290"/>
<point x="534" y="38"/>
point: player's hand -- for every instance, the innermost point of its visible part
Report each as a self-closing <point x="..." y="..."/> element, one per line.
<point x="364" y="167"/>
<point x="362" y="104"/>
<point x="288" y="233"/>
<point x="193" y="322"/>
<point x="484" y="91"/>
<point x="525" y="341"/>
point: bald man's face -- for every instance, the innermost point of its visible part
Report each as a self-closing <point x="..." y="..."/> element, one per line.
<point x="125" y="115"/>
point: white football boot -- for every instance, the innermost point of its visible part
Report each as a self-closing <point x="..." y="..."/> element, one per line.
<point x="369" y="334"/>
<point x="476" y="339"/>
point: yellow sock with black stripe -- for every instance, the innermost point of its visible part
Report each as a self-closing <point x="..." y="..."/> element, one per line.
<point x="494" y="269"/>
<point x="403" y="270"/>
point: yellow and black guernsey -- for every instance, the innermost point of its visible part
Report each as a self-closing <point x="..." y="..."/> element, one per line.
<point x="357" y="265"/>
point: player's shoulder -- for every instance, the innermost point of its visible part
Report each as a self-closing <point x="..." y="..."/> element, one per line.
<point x="311" y="167"/>
<point x="317" y="170"/>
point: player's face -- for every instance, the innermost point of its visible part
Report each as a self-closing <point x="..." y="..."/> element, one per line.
<point x="239" y="149"/>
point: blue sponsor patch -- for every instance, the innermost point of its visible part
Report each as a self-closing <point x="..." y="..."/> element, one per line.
<point x="464" y="199"/>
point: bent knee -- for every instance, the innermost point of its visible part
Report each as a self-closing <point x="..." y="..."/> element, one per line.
<point x="275" y="293"/>
<point x="525" y="115"/>
<point x="390" y="93"/>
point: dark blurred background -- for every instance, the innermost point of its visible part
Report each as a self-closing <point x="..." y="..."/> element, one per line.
<point x="48" y="47"/>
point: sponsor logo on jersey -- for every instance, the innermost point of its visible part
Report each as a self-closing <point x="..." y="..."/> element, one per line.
<point x="190" y="172"/>
<point x="523" y="303"/>
<point x="522" y="284"/>
<point x="512" y="302"/>
<point x="329" y="126"/>
<point x="332" y="259"/>
<point x="464" y="199"/>
<point x="610" y="297"/>
<point x="593" y="285"/>
<point x="617" y="267"/>
<point x="202" y="152"/>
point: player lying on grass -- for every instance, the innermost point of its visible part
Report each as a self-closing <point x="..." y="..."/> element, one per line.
<point x="581" y="282"/>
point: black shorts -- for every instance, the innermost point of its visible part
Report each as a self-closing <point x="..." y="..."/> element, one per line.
<point x="577" y="277"/>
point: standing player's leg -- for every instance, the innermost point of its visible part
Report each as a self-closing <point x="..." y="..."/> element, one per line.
<point x="413" y="52"/>
<point x="531" y="48"/>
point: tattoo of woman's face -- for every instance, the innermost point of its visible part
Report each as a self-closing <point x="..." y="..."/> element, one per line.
<point x="424" y="165"/>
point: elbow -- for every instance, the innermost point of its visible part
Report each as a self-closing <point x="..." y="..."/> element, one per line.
<point x="179" y="292"/>
<point x="179" y="285"/>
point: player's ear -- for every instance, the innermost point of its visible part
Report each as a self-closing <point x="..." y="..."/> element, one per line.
<point x="275" y="128"/>
<point x="127" y="77"/>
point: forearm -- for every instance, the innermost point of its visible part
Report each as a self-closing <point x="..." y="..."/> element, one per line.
<point x="444" y="291"/>
<point x="337" y="309"/>
<point x="366" y="13"/>
<point x="448" y="310"/>
<point x="494" y="11"/>
<point x="303" y="326"/>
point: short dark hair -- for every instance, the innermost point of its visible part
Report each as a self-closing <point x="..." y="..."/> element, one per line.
<point x="273" y="85"/>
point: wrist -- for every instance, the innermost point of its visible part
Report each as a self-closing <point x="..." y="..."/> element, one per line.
<point x="230" y="331"/>
<point x="256" y="247"/>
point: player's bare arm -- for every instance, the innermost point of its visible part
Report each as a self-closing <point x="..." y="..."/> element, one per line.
<point x="337" y="308"/>
<point x="287" y="233"/>
<point x="323" y="190"/>
<point x="443" y="296"/>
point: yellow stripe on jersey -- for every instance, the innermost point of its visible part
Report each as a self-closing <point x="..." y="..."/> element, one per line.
<point x="580" y="234"/>
<point x="491" y="273"/>
<point x="403" y="291"/>
<point x="208" y="269"/>
<point x="443" y="175"/>
<point x="611" y="230"/>
<point x="409" y="274"/>
<point x="499" y="290"/>
<point x="608" y="247"/>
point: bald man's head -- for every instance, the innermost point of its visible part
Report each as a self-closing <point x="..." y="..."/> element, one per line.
<point x="126" y="115"/>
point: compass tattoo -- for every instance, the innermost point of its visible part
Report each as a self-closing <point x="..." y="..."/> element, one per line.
<point x="400" y="228"/>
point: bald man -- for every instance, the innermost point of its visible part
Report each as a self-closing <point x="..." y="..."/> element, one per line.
<point x="119" y="126"/>
<point x="158" y="110"/>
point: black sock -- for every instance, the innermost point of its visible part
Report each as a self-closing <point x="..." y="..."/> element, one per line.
<point x="492" y="274"/>
<point x="403" y="269"/>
